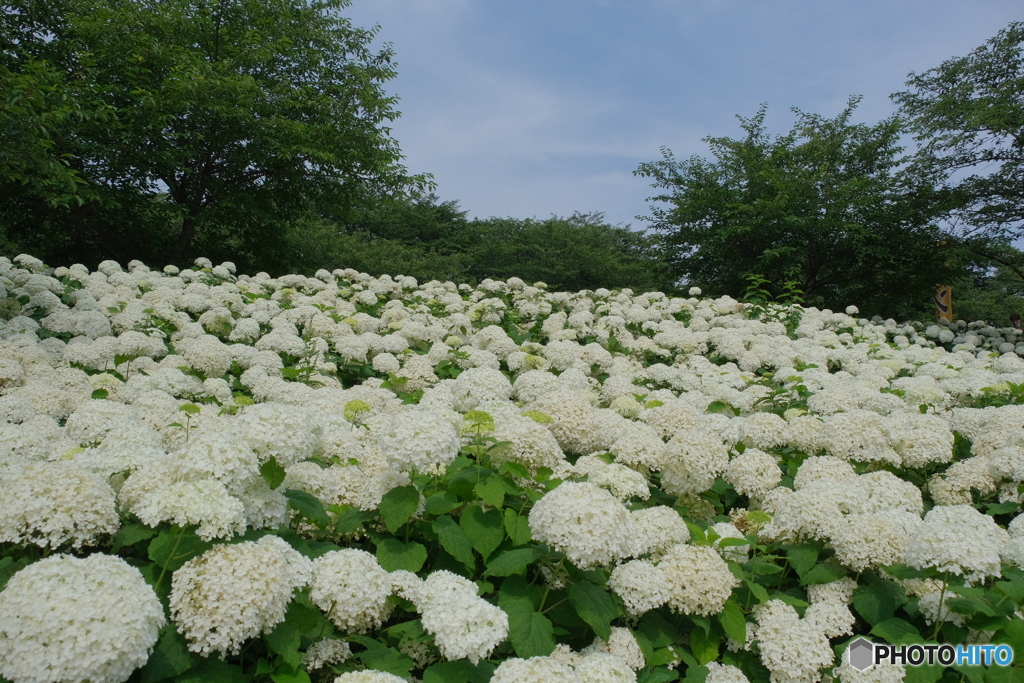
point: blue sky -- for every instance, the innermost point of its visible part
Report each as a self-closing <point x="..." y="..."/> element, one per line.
<point x="529" y="108"/>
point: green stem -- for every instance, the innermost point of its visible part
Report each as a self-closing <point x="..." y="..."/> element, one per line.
<point x="174" y="552"/>
<point x="938" y="617"/>
<point x="547" y="589"/>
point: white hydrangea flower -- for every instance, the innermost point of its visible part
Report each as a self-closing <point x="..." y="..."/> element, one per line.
<point x="419" y="439"/>
<point x="585" y="522"/>
<point x="792" y="648"/>
<point x="640" y="584"/>
<point x="75" y="619"/>
<point x="234" y="592"/>
<point x="464" y="625"/>
<point x="368" y="676"/>
<point x="725" y="673"/>
<point x="957" y="539"/>
<point x="693" y="462"/>
<point x="534" y="670"/>
<point x="51" y="504"/>
<point x="698" y="579"/>
<point x="325" y="652"/>
<point x="352" y="588"/>
<point x="873" y="539"/>
<point x="657" y="529"/>
<point x="603" y="667"/>
<point x="753" y="473"/>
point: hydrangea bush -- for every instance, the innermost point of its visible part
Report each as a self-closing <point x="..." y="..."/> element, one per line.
<point x="212" y="476"/>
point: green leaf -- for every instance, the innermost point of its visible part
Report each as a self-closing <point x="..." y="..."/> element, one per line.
<point x="170" y="657"/>
<point x="514" y="469"/>
<point x="662" y="675"/>
<point x="491" y="492"/>
<point x="595" y="606"/>
<point x="822" y="573"/>
<point x="1012" y="635"/>
<point x="897" y="631"/>
<point x="387" y="659"/>
<point x="309" y="506"/>
<point x="696" y="674"/>
<point x="923" y="674"/>
<point x="130" y="534"/>
<point x="398" y="506"/>
<point x="190" y="409"/>
<point x="350" y="518"/>
<point x="285" y="641"/>
<point x="970" y="606"/>
<point x="759" y="591"/>
<point x="511" y="562"/>
<point x="453" y="539"/>
<point x="975" y="674"/>
<point x="442" y="503"/>
<point x="1014" y="589"/>
<point x="657" y="630"/>
<point x="484" y="530"/>
<point x="802" y="558"/>
<point x="394" y="555"/>
<point x="1004" y="674"/>
<point x="299" y="676"/>
<point x="704" y="646"/>
<point x="733" y="622"/>
<point x="100" y="394"/>
<point x="448" y="672"/>
<point x="517" y="527"/>
<point x="272" y="472"/>
<point x="874" y="602"/>
<point x="174" y="547"/>
<point x="530" y="632"/>
<point x="213" y="669"/>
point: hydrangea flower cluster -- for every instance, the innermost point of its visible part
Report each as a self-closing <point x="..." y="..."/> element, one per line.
<point x="622" y="458"/>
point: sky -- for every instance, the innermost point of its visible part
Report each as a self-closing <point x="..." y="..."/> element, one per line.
<point x="534" y="108"/>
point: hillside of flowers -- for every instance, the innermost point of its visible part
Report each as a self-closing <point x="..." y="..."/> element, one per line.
<point x="210" y="476"/>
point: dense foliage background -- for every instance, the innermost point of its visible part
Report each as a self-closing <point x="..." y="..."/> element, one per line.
<point x="258" y="132"/>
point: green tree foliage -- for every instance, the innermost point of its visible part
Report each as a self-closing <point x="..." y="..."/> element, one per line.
<point x="574" y="253"/>
<point x="992" y="288"/>
<point x="159" y="129"/>
<point x="824" y="206"/>
<point x="969" y="115"/>
<point x="432" y="239"/>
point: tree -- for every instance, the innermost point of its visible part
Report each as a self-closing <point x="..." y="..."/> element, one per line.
<point x="823" y="205"/>
<point x="969" y="114"/>
<point x="224" y="122"/>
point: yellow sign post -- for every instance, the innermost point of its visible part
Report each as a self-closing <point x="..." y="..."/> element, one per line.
<point x="944" y="303"/>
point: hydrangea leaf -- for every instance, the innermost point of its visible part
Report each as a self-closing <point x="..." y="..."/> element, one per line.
<point x="285" y="641"/>
<point x="822" y="573"/>
<point x="394" y="555"/>
<point x="733" y="622"/>
<point x="453" y="539"/>
<point x="923" y="674"/>
<point x="448" y="672"/>
<point x="174" y="547"/>
<point x="491" y="492"/>
<point x="398" y="506"/>
<point x="595" y="606"/>
<point x="511" y="562"/>
<point x="695" y="674"/>
<point x="387" y="659"/>
<point x="272" y="472"/>
<point x="802" y="558"/>
<point x="704" y="646"/>
<point x="441" y="503"/>
<point x="484" y="530"/>
<point x="170" y="657"/>
<point x="213" y="669"/>
<point x="309" y="506"/>
<point x="897" y="631"/>
<point x="517" y="527"/>
<point x="530" y="632"/>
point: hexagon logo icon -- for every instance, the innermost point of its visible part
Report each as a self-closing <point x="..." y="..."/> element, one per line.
<point x="862" y="654"/>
